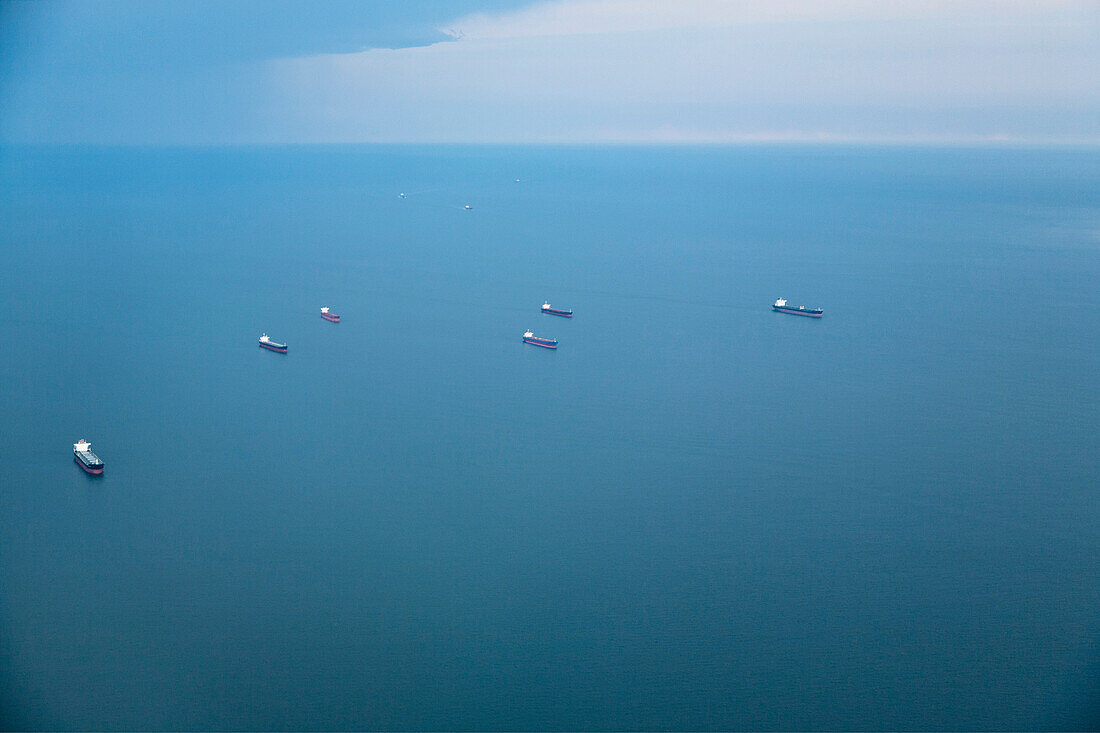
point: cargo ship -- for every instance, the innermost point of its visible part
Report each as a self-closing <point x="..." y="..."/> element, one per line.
<point x="329" y="316"/>
<point x="82" y="454"/>
<point x="556" y="311"/>
<point x="782" y="307"/>
<point x="530" y="338"/>
<point x="267" y="343"/>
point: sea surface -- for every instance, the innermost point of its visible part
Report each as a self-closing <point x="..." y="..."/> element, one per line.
<point x="695" y="514"/>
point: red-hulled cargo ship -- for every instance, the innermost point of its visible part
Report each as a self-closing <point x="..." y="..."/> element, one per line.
<point x="530" y="338"/>
<point x="563" y="312"/>
<point x="329" y="316"/>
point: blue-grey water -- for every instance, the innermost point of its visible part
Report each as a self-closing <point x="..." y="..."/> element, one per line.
<point x="695" y="514"/>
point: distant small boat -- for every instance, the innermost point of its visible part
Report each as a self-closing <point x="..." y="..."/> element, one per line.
<point x="530" y="338"/>
<point x="401" y="195"/>
<point x="267" y="343"/>
<point x="781" y="306"/>
<point x="329" y="316"/>
<point x="468" y="207"/>
<point x="82" y="454"/>
<point x="556" y="311"/>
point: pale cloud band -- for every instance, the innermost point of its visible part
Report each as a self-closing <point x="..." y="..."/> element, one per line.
<point x="595" y="17"/>
<point x="709" y="71"/>
<point x="570" y="71"/>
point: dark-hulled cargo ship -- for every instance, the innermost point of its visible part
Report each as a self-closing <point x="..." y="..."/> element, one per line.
<point x="328" y="316"/>
<point x="782" y="307"/>
<point x="267" y="343"/>
<point x="82" y="454"/>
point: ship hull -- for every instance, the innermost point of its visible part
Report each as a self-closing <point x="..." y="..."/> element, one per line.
<point x="272" y="347"/>
<point x="330" y="317"/>
<point x="93" y="470"/>
<point x="552" y="312"/>
<point x="797" y="312"/>
<point x="543" y="344"/>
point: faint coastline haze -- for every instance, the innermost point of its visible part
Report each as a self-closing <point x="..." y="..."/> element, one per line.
<point x="563" y="71"/>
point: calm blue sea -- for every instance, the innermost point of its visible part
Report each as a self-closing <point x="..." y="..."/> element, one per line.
<point x="695" y="514"/>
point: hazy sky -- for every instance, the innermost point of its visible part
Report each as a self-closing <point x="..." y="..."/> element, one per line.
<point x="200" y="71"/>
